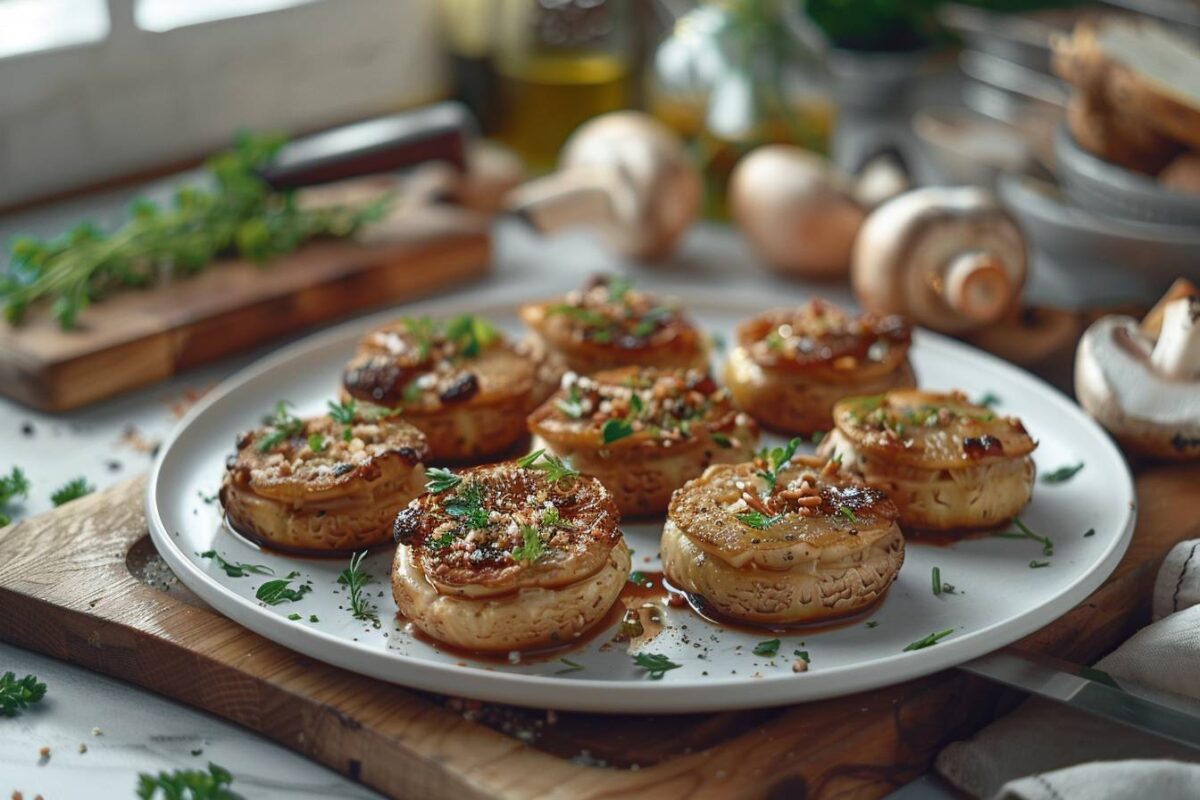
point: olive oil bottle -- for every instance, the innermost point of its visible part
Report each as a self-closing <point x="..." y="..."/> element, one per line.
<point x="559" y="63"/>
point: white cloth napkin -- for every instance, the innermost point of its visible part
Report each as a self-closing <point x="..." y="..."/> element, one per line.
<point x="1059" y="748"/>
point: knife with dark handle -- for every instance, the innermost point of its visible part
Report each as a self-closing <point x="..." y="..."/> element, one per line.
<point x="1164" y="714"/>
<point x="387" y="144"/>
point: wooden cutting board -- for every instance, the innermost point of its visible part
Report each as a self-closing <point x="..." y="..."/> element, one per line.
<point x="135" y="338"/>
<point x="83" y="583"/>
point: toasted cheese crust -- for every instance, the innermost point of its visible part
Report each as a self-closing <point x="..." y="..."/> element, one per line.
<point x="609" y="324"/>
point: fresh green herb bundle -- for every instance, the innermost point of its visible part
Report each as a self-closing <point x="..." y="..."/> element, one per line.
<point x="18" y="694"/>
<point x="239" y="215"/>
<point x="187" y="784"/>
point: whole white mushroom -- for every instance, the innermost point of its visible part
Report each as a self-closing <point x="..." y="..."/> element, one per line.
<point x="796" y="209"/>
<point x="1146" y="392"/>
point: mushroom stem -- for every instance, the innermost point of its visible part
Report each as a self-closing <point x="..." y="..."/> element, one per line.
<point x="564" y="199"/>
<point x="1176" y="354"/>
<point x="977" y="286"/>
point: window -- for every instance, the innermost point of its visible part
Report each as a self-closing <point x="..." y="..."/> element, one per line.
<point x="27" y="26"/>
<point x="165" y="15"/>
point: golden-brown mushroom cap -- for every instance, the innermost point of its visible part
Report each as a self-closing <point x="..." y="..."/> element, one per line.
<point x="931" y="430"/>
<point x="504" y="527"/>
<point x="822" y="342"/>
<point x="610" y="324"/>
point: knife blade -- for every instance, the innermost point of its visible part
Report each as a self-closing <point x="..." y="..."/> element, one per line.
<point x="1093" y="691"/>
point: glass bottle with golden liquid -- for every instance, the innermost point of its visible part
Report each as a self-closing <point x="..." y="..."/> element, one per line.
<point x="559" y="63"/>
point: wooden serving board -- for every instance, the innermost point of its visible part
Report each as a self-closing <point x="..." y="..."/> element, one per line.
<point x="83" y="583"/>
<point x="134" y="337"/>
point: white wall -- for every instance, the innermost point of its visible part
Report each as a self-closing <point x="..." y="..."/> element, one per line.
<point x="139" y="99"/>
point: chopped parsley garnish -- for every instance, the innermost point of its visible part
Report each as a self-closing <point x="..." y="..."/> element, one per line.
<point x="294" y="617"/>
<point x="552" y="518"/>
<point x="468" y="506"/>
<point x="572" y="405"/>
<point x="18" y="695"/>
<point x="313" y="618"/>
<point x="872" y="623"/>
<point x="638" y="578"/>
<point x="277" y="591"/>
<point x="759" y="520"/>
<point x="614" y="429"/>
<point x="440" y="479"/>
<point x="411" y="392"/>
<point x="618" y="287"/>
<point x="1023" y="532"/>
<point x="470" y="334"/>
<point x="655" y="664"/>
<point x="343" y="414"/>
<point x="1062" y="474"/>
<point x="768" y="648"/>
<point x="531" y="548"/>
<point x="928" y="641"/>
<point x="354" y="579"/>
<point x="802" y="655"/>
<point x="721" y="439"/>
<point x="553" y="466"/>
<point x="187" y="784"/>
<point x="988" y="400"/>
<point x="283" y="424"/>
<point x="1038" y="564"/>
<point x="1089" y="532"/>
<point x="776" y="459"/>
<point x="590" y="318"/>
<point x="71" y="490"/>
<point x="316" y="443"/>
<point x="937" y="582"/>
<point x="236" y="569"/>
<point x="848" y="514"/>
<point x="571" y="666"/>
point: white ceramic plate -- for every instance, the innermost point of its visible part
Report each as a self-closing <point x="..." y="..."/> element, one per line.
<point x="999" y="598"/>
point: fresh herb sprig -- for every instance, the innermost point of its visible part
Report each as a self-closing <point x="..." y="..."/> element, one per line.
<point x="283" y="424"/>
<point x="240" y="215"/>
<point x="928" y="641"/>
<point x="554" y="467"/>
<point x="1023" y="532"/>
<point x="775" y="459"/>
<point x="236" y="569"/>
<point x="470" y="334"/>
<point x="187" y="784"/>
<point x="18" y="694"/>
<point x="655" y="664"/>
<point x="343" y="414"/>
<point x="71" y="490"/>
<point x="441" y="480"/>
<point x="12" y="486"/>
<point x="355" y="579"/>
<point x="279" y="590"/>
<point x="768" y="648"/>
<point x="1062" y="474"/>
